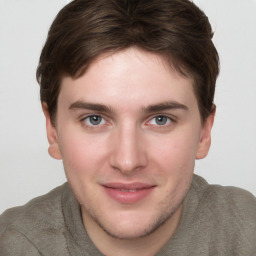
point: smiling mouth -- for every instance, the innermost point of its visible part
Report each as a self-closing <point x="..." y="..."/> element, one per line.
<point x="128" y="193"/>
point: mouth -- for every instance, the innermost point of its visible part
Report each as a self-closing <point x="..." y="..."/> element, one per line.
<point x="128" y="190"/>
<point x="128" y="193"/>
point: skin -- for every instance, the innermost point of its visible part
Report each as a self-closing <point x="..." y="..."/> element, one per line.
<point x="130" y="118"/>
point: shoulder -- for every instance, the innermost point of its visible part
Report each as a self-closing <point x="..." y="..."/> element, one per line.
<point x="13" y="243"/>
<point x="32" y="221"/>
<point x="39" y="208"/>
<point x="226" y="198"/>
<point x="231" y="213"/>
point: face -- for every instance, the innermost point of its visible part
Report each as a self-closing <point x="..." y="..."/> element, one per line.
<point x="128" y="132"/>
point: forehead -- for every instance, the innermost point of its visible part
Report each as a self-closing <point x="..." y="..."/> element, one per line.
<point x="129" y="76"/>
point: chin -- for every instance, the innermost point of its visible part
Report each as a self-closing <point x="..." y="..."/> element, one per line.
<point x="129" y="233"/>
<point x="134" y="227"/>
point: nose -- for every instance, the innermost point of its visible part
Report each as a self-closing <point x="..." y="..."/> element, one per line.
<point x="128" y="151"/>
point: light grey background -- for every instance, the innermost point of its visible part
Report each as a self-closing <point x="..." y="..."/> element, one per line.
<point x="27" y="171"/>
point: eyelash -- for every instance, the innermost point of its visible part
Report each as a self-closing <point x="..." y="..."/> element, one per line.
<point x="168" y="119"/>
<point x="93" y="116"/>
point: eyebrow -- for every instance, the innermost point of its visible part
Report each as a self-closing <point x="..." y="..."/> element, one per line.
<point x="169" y="105"/>
<point x="149" y="109"/>
<point x="90" y="106"/>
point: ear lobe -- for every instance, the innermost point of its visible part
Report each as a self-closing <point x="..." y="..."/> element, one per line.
<point x="53" y="149"/>
<point x="205" y="139"/>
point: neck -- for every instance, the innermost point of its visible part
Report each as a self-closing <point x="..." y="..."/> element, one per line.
<point x="144" y="246"/>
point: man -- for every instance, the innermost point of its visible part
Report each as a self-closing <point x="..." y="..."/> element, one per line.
<point x="127" y="90"/>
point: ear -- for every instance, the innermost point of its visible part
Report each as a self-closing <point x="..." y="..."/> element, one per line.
<point x="205" y="138"/>
<point x="53" y="149"/>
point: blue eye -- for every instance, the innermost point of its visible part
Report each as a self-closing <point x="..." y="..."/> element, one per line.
<point x="94" y="120"/>
<point x="160" y="120"/>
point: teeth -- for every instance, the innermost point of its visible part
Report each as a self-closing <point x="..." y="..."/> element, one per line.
<point x="128" y="190"/>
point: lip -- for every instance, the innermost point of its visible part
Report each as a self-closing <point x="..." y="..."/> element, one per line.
<point x="128" y="193"/>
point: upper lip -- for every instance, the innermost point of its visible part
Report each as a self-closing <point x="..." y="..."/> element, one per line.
<point x="128" y="186"/>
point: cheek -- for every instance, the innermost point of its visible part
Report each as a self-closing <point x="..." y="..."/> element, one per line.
<point x="177" y="160"/>
<point x="177" y="149"/>
<point x="80" y="154"/>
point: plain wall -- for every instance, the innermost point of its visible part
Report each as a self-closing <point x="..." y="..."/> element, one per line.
<point x="26" y="169"/>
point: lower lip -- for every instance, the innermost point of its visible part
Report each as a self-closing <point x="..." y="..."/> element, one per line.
<point x="128" y="197"/>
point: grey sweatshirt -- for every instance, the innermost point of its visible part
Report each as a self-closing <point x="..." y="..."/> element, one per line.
<point x="216" y="221"/>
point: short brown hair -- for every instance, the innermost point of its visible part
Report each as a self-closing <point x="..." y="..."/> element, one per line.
<point x="85" y="29"/>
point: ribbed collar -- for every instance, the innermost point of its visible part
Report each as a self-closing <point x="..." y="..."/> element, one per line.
<point x="78" y="241"/>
